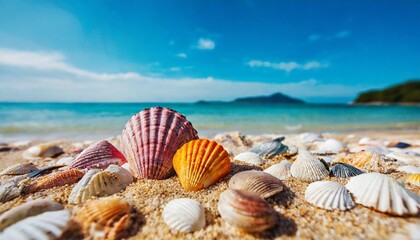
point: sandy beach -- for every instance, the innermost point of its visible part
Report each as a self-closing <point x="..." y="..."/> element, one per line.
<point x="297" y="219"/>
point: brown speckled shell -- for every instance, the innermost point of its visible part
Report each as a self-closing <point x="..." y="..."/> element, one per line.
<point x="261" y="183"/>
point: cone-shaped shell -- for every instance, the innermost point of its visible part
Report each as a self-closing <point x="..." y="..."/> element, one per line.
<point x="56" y="180"/>
<point x="100" y="183"/>
<point x="245" y="210"/>
<point x="329" y="195"/>
<point x="201" y="163"/>
<point x="369" y="160"/>
<point x="384" y="194"/>
<point x="413" y="179"/>
<point x="308" y="168"/>
<point x="48" y="225"/>
<point x="151" y="138"/>
<point x="261" y="183"/>
<point x="104" y="218"/>
<point x="98" y="155"/>
<point x="249" y="157"/>
<point x="19" y="169"/>
<point x="270" y="149"/>
<point x="409" y="169"/>
<point x="28" y="209"/>
<point x="280" y="170"/>
<point x="343" y="170"/>
<point x="184" y="215"/>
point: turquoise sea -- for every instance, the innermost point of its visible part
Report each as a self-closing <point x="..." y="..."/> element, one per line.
<point x="27" y="121"/>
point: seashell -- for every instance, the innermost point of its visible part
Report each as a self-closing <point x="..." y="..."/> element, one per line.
<point x="330" y="146"/>
<point x="65" y="161"/>
<point x="246" y="210"/>
<point x="28" y="209"/>
<point x="409" y="169"/>
<point x="413" y="179"/>
<point x="369" y="160"/>
<point x="104" y="218"/>
<point x="98" y="155"/>
<point x="151" y="138"/>
<point x="184" y="215"/>
<point x="308" y="168"/>
<point x="249" y="157"/>
<point x="270" y="149"/>
<point x="201" y="163"/>
<point x="327" y="159"/>
<point x="280" y="170"/>
<point x="48" y="225"/>
<point x="19" y="169"/>
<point x="383" y="194"/>
<point x="343" y="170"/>
<point x="9" y="191"/>
<point x="367" y="141"/>
<point x="56" y="180"/>
<point x="100" y="183"/>
<point x="261" y="183"/>
<point x="309" y="137"/>
<point x="398" y="144"/>
<point x="42" y="150"/>
<point x="329" y="195"/>
<point x="405" y="158"/>
<point x="42" y="171"/>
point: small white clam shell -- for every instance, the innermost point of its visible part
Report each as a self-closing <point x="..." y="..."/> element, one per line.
<point x="384" y="194"/>
<point x="329" y="195"/>
<point x="249" y="157"/>
<point x="308" y="168"/>
<point x="184" y="215"/>
<point x="330" y="146"/>
<point x="48" y="225"/>
<point x="280" y="170"/>
<point x="409" y="169"/>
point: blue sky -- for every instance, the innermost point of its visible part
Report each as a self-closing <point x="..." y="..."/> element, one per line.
<point x="319" y="51"/>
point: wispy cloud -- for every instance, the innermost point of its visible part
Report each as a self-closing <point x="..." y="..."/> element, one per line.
<point x="337" y="35"/>
<point x="181" y="55"/>
<point x="205" y="44"/>
<point x="286" y="66"/>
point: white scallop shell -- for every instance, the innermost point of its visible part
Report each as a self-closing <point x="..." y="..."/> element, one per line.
<point x="100" y="183"/>
<point x="48" y="225"/>
<point x="249" y="157"/>
<point x="409" y="169"/>
<point x="184" y="215"/>
<point x="383" y="194"/>
<point x="330" y="146"/>
<point x="329" y="195"/>
<point x="308" y="168"/>
<point x="280" y="170"/>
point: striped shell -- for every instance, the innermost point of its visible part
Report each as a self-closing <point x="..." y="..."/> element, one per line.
<point x="201" y="163"/>
<point x="184" y="215"/>
<point x="100" y="183"/>
<point x="28" y="209"/>
<point x="329" y="195"/>
<point x="384" y="194"/>
<point x="369" y="160"/>
<point x="409" y="169"/>
<point x="270" y="149"/>
<point x="19" y="169"/>
<point x="261" y="183"/>
<point x="249" y="157"/>
<point x="48" y="225"/>
<point x="104" y="218"/>
<point x="246" y="210"/>
<point x="308" y="168"/>
<point x="57" y="179"/>
<point x="98" y="155"/>
<point x="413" y="179"/>
<point x="344" y="170"/>
<point x="151" y="138"/>
<point x="280" y="170"/>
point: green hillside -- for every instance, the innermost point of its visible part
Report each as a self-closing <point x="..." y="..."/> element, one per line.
<point x="408" y="92"/>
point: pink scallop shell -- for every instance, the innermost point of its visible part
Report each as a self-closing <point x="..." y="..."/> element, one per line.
<point x="151" y="138"/>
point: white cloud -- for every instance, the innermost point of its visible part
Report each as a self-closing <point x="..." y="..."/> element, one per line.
<point x="337" y="35"/>
<point x="182" y="55"/>
<point x="286" y="66"/>
<point x="205" y="44"/>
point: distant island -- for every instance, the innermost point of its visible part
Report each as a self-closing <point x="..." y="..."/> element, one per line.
<point x="404" y="93"/>
<point x="274" y="98"/>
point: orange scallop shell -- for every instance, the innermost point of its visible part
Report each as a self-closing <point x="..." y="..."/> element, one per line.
<point x="200" y="164"/>
<point x="57" y="179"/>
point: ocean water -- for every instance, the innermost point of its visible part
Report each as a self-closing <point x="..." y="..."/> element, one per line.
<point x="28" y="121"/>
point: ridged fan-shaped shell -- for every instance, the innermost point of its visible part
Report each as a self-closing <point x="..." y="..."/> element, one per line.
<point x="270" y="149"/>
<point x="201" y="163"/>
<point x="409" y="169"/>
<point x="344" y="170"/>
<point x="57" y="179"/>
<point x="151" y="138"/>
<point x="280" y="170"/>
<point x="245" y="210"/>
<point x="48" y="225"/>
<point x="384" y="194"/>
<point x="308" y="168"/>
<point x="98" y="155"/>
<point x="249" y="157"/>
<point x="19" y="169"/>
<point x="184" y="215"/>
<point x="413" y="179"/>
<point x="100" y="183"/>
<point x="261" y="183"/>
<point x="369" y="160"/>
<point x="28" y="209"/>
<point x="329" y="195"/>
